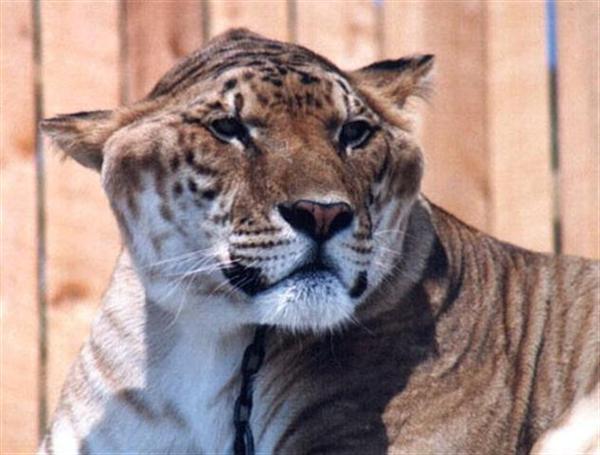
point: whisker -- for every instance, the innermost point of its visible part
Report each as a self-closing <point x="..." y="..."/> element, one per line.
<point x="186" y="256"/>
<point x="354" y="320"/>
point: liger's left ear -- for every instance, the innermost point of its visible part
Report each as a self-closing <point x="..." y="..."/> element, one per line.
<point x="397" y="80"/>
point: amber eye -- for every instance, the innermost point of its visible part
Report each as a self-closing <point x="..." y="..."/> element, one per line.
<point x="354" y="134"/>
<point x="228" y="129"/>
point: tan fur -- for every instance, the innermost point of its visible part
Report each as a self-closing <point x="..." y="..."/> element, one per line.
<point x="448" y="341"/>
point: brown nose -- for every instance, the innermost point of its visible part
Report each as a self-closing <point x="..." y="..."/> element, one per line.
<point x="319" y="221"/>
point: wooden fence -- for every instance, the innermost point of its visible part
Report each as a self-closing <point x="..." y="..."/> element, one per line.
<point x="488" y="138"/>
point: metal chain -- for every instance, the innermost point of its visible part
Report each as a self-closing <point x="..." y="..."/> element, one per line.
<point x="251" y="363"/>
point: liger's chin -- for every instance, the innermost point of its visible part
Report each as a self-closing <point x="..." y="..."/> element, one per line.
<point x="313" y="300"/>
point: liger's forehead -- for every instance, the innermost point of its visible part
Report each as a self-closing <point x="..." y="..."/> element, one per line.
<point x="272" y="59"/>
<point x="254" y="74"/>
<point x="245" y="91"/>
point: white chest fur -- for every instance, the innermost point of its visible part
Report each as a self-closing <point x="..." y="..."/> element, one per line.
<point x="184" y="399"/>
<point x="199" y="381"/>
<point x="204" y="379"/>
<point x="177" y="381"/>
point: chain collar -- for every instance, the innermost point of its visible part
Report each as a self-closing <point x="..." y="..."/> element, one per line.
<point x="251" y="363"/>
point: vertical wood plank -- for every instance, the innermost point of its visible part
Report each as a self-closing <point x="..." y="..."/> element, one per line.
<point x="453" y="128"/>
<point x="578" y="38"/>
<point x="157" y="37"/>
<point x="487" y="152"/>
<point x="452" y="124"/>
<point x="343" y="31"/>
<point x="456" y="172"/>
<point x="267" y="17"/>
<point x="519" y="124"/>
<point x="19" y="324"/>
<point x="81" y="72"/>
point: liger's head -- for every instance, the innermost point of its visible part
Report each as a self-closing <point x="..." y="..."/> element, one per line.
<point x="259" y="175"/>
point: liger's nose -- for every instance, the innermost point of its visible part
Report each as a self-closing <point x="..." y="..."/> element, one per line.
<point x="319" y="221"/>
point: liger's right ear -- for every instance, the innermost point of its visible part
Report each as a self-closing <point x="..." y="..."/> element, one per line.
<point x="82" y="135"/>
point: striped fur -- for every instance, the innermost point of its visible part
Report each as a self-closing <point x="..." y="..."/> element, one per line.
<point x="414" y="334"/>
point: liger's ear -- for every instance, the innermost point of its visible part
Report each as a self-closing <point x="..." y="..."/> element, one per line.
<point x="82" y="135"/>
<point x="397" y="80"/>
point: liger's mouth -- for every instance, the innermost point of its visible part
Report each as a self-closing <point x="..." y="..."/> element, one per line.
<point x="247" y="279"/>
<point x="311" y="268"/>
<point x="250" y="279"/>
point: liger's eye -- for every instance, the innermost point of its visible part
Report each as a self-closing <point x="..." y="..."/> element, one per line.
<point x="229" y="128"/>
<point x="354" y="134"/>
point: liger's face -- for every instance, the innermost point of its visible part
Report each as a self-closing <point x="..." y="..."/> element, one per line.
<point x="271" y="177"/>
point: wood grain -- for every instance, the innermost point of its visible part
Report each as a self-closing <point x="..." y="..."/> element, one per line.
<point x="403" y="31"/>
<point x="81" y="72"/>
<point x="343" y="31"/>
<point x="170" y="29"/>
<point x="267" y="17"/>
<point x="578" y="86"/>
<point x="19" y="324"/>
<point x="518" y="123"/>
